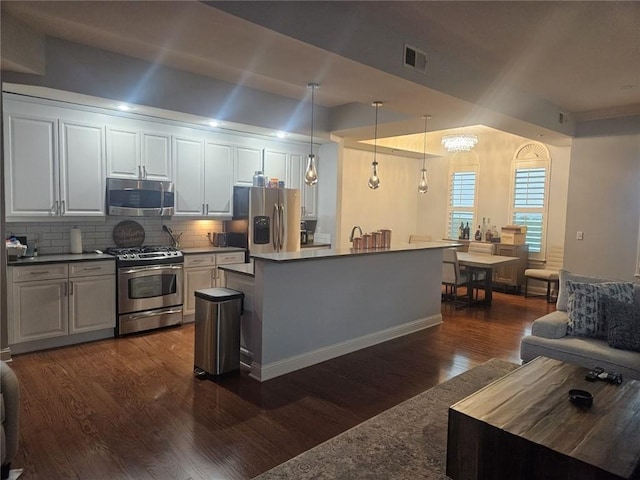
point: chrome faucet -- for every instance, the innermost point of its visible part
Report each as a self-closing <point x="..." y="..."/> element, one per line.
<point x="353" y="231"/>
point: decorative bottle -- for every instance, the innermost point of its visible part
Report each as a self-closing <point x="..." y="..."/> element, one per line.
<point x="478" y="235"/>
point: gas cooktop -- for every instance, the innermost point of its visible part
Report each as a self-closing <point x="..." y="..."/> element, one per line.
<point x="146" y="255"/>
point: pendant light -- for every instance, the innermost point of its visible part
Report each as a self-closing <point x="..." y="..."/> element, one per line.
<point x="311" y="174"/>
<point x="423" y="186"/>
<point x="374" y="180"/>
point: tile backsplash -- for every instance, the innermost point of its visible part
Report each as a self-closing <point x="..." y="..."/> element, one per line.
<point x="54" y="237"/>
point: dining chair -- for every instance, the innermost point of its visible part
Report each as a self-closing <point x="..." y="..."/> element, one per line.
<point x="549" y="274"/>
<point x="482" y="247"/>
<point x="419" y="238"/>
<point x="453" y="277"/>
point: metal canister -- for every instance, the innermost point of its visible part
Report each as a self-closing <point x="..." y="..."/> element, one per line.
<point x="377" y="239"/>
<point x="367" y="241"/>
<point x="357" y="243"/>
<point x="386" y="238"/>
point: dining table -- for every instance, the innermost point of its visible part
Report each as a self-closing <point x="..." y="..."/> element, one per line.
<point x="481" y="262"/>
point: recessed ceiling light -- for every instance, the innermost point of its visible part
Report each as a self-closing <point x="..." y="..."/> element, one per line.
<point x="214" y="123"/>
<point x="124" y="107"/>
<point x="281" y="134"/>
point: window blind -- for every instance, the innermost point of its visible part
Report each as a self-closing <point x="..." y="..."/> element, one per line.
<point x="528" y="204"/>
<point x="462" y="201"/>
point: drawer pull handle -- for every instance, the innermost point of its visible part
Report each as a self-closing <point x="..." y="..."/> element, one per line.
<point x="92" y="268"/>
<point x="39" y="272"/>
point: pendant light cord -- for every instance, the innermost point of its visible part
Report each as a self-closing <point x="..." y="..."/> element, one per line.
<point x="375" y="136"/>
<point x="313" y="88"/>
<point x="424" y="148"/>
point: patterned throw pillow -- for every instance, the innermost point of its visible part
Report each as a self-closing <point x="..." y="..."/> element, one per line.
<point x="624" y="325"/>
<point x="585" y="308"/>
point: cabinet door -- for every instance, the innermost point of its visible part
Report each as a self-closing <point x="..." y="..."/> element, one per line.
<point x="248" y="160"/>
<point x="82" y="169"/>
<point x="218" y="179"/>
<point x="92" y="304"/>
<point x="31" y="165"/>
<point x="156" y="156"/>
<point x="275" y="165"/>
<point x="123" y="152"/>
<point x="196" y="279"/>
<point x="296" y="171"/>
<point x="507" y="274"/>
<point x="189" y="178"/>
<point x="39" y="310"/>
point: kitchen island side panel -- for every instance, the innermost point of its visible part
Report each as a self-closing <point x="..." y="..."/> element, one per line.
<point x="333" y="305"/>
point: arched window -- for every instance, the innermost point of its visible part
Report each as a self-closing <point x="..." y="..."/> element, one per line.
<point x="530" y="194"/>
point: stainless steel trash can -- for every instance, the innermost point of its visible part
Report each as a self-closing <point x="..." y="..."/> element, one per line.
<point x="217" y="331"/>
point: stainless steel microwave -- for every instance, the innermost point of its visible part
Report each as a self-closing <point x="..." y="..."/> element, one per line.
<point x="139" y="198"/>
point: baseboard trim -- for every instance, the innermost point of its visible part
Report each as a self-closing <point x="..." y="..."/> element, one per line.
<point x="291" y="364"/>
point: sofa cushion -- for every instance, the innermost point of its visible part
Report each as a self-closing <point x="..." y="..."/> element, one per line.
<point x="588" y="352"/>
<point x="585" y="307"/>
<point x="551" y="325"/>
<point x="563" y="296"/>
<point x="624" y="325"/>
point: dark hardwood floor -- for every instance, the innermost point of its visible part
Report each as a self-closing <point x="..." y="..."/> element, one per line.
<point x="130" y="408"/>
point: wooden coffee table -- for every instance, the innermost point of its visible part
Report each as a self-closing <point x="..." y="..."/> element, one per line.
<point x="523" y="426"/>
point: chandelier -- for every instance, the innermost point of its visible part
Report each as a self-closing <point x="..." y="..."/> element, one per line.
<point x="459" y="142"/>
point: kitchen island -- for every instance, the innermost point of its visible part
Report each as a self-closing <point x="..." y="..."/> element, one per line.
<point x="302" y="308"/>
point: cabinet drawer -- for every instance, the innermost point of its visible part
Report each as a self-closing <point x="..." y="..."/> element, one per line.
<point x="40" y="272"/>
<point x="199" y="260"/>
<point x="231" y="257"/>
<point x="86" y="269"/>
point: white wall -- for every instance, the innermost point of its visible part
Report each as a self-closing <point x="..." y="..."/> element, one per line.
<point x="393" y="205"/>
<point x="604" y="203"/>
<point x="495" y="153"/>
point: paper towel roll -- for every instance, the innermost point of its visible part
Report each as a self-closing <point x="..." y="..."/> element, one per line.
<point x="76" y="240"/>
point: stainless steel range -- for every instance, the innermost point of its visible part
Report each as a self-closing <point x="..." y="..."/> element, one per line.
<point x="149" y="286"/>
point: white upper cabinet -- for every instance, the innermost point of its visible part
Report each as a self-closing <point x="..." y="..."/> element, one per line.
<point x="275" y="165"/>
<point x="82" y="167"/>
<point x="188" y="154"/>
<point x="136" y="152"/>
<point x="156" y="156"/>
<point x="55" y="159"/>
<point x="248" y="161"/>
<point x="204" y="177"/>
<point x="31" y="163"/>
<point x="218" y="179"/>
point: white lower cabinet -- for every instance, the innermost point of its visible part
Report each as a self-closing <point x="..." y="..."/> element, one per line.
<point x="91" y="303"/>
<point x="59" y="300"/>
<point x="201" y="271"/>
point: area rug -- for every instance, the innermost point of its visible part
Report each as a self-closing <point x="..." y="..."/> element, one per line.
<point x="408" y="441"/>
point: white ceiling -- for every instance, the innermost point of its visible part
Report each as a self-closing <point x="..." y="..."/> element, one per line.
<point x="582" y="58"/>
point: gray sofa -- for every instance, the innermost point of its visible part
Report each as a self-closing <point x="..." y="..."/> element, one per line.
<point x="549" y="338"/>
<point x="9" y="413"/>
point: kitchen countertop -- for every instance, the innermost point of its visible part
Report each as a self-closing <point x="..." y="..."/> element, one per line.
<point x="241" y="268"/>
<point x="211" y="249"/>
<point x="61" y="258"/>
<point x="334" y="253"/>
<point x="315" y="245"/>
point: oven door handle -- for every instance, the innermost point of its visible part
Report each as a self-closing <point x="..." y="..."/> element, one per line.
<point x="150" y="268"/>
<point x="154" y="313"/>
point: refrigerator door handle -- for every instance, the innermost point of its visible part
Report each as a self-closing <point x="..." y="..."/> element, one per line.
<point x="275" y="228"/>
<point x="282" y="227"/>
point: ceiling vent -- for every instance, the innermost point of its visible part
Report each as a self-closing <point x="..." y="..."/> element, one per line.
<point x="415" y="59"/>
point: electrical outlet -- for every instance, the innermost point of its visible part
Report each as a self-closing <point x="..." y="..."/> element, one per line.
<point x="579" y="235"/>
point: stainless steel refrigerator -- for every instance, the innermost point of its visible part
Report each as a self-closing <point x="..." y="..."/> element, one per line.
<point x="265" y="220"/>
